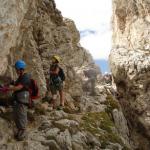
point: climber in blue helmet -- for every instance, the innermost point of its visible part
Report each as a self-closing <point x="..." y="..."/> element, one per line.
<point x="20" y="99"/>
<point x="20" y="65"/>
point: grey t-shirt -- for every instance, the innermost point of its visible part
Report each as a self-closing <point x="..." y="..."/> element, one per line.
<point x="25" y="81"/>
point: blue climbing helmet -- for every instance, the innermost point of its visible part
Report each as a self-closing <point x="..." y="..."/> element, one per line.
<point x="20" y="64"/>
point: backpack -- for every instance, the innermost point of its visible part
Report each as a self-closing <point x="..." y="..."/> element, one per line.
<point x="34" y="91"/>
<point x="61" y="74"/>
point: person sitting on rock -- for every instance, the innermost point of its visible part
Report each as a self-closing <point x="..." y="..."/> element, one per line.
<point x="56" y="79"/>
<point x="20" y="99"/>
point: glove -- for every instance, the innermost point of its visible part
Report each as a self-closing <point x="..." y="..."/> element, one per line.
<point x="4" y="89"/>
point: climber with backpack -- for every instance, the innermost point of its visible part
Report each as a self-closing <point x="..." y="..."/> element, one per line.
<point x="24" y="88"/>
<point x="56" y="79"/>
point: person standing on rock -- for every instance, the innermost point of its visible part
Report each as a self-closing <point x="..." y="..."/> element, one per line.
<point x="20" y="99"/>
<point x="56" y="79"/>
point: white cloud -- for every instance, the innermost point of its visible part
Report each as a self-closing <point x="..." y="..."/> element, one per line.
<point x="99" y="45"/>
<point x="94" y="15"/>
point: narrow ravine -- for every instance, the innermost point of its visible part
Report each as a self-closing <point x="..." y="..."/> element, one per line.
<point x="96" y="116"/>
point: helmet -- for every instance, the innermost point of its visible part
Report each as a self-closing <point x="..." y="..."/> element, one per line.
<point x="56" y="58"/>
<point x="20" y="64"/>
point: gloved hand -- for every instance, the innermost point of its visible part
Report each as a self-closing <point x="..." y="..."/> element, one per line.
<point x="4" y="89"/>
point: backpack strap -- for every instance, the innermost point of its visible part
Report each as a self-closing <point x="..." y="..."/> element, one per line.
<point x="33" y="95"/>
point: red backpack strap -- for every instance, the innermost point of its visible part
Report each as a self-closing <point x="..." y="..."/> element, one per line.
<point x="33" y="95"/>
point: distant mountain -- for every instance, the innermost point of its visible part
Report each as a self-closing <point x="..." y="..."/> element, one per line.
<point x="103" y="64"/>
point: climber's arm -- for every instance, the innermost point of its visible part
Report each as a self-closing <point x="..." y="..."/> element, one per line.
<point x="56" y="71"/>
<point x="15" y="88"/>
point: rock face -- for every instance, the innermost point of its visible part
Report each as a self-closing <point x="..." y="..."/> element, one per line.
<point x="130" y="65"/>
<point x="34" y="30"/>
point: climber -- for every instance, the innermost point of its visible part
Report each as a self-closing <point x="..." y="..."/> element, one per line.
<point x="56" y="79"/>
<point x="20" y="99"/>
<point x="107" y="78"/>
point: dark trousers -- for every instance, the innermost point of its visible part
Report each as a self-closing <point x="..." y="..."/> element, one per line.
<point x="20" y="115"/>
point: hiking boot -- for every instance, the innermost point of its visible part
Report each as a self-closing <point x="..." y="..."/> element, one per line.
<point x="21" y="135"/>
<point x="16" y="134"/>
<point x="60" y="107"/>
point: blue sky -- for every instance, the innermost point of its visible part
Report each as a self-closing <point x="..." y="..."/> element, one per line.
<point x="103" y="63"/>
<point x="93" y="20"/>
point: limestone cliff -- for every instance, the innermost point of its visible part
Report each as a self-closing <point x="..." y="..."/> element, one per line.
<point x="34" y="30"/>
<point x="130" y="65"/>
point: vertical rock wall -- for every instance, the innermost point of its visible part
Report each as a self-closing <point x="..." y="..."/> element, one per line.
<point x="10" y="21"/>
<point x="130" y="64"/>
